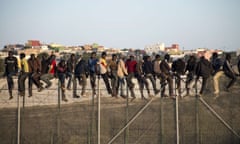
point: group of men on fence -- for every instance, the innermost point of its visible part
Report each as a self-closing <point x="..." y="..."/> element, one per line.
<point x="118" y="70"/>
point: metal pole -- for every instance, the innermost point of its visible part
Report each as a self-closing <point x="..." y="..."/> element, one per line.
<point x="161" y="121"/>
<point x="131" y="121"/>
<point x="99" y="112"/>
<point x="19" y="120"/>
<point x="127" y="104"/>
<point x="197" y="114"/>
<point x="177" y="116"/>
<point x="219" y="117"/>
<point x="59" y="110"/>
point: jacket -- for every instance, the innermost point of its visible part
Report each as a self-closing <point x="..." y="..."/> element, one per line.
<point x="165" y="68"/>
<point x="34" y="65"/>
<point x="81" y="68"/>
<point x="204" y="68"/>
<point x="11" y="65"/>
<point x="121" y="71"/>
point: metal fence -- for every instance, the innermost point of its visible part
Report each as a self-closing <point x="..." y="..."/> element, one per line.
<point x="45" y="119"/>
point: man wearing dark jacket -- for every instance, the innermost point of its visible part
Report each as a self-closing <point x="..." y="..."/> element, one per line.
<point x="34" y="74"/>
<point x="229" y="72"/>
<point x="71" y="63"/>
<point x="204" y="69"/>
<point x="178" y="67"/>
<point x="11" y="69"/>
<point x="148" y="72"/>
<point x="81" y="73"/>
<point x="191" y="69"/>
<point x="166" y="75"/>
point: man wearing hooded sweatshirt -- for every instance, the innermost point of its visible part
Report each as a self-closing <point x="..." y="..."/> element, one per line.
<point x="229" y="72"/>
<point x="204" y="69"/>
<point x="148" y="71"/>
<point x="166" y="75"/>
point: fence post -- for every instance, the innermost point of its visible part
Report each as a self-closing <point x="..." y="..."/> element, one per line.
<point x="19" y="120"/>
<point x="99" y="112"/>
<point x="126" y="120"/>
<point x="197" y="113"/>
<point x="59" y="113"/>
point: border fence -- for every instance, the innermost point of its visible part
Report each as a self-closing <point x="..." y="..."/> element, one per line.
<point x="45" y="119"/>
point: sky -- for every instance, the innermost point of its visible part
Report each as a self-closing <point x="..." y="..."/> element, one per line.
<point x="213" y="24"/>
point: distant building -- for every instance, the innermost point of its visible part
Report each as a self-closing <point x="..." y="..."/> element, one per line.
<point x="33" y="44"/>
<point x="155" y="48"/>
<point x="173" y="48"/>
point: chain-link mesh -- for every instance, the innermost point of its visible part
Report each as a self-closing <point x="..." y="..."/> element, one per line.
<point x="44" y="119"/>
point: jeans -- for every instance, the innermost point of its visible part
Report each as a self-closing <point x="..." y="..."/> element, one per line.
<point x="46" y="78"/>
<point x="70" y="76"/>
<point x="82" y="81"/>
<point x="21" y="82"/>
<point x="105" y="79"/>
<point x="10" y="82"/>
<point x="93" y="82"/>
<point x="216" y="81"/>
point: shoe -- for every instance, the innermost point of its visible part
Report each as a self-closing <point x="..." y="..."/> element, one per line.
<point x="156" y="92"/>
<point x="48" y="86"/>
<point x="83" y="95"/>
<point x="76" y="96"/>
<point x="144" y="98"/>
<point x="64" y="99"/>
<point x="133" y="99"/>
<point x="164" y="95"/>
<point x="69" y="88"/>
<point x="30" y="95"/>
<point x="173" y="96"/>
<point x="123" y="96"/>
<point x="11" y="97"/>
<point x="40" y="89"/>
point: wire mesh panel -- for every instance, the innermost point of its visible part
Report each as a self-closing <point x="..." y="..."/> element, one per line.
<point x="45" y="118"/>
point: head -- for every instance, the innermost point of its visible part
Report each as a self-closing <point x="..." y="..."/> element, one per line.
<point x="10" y="53"/>
<point x="104" y="55"/>
<point x="114" y="57"/>
<point x="72" y="56"/>
<point x="157" y="57"/>
<point x="148" y="58"/>
<point x="32" y="56"/>
<point x="131" y="57"/>
<point x="167" y="57"/>
<point x="22" y="55"/>
<point x="214" y="55"/>
<point x="62" y="62"/>
<point x="93" y="55"/>
<point x="228" y="57"/>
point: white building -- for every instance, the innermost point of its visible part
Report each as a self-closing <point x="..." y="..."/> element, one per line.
<point x="155" y="48"/>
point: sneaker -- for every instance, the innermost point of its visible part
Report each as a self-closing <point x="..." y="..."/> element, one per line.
<point x="76" y="96"/>
<point x="40" y="89"/>
<point x="123" y="96"/>
<point x="156" y="92"/>
<point x="144" y="98"/>
<point x="84" y="95"/>
<point x="48" y="86"/>
<point x="164" y="95"/>
<point x="64" y="99"/>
